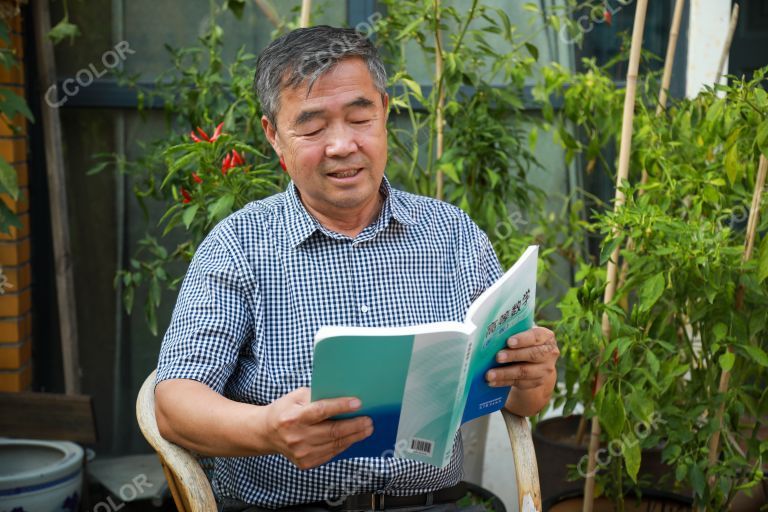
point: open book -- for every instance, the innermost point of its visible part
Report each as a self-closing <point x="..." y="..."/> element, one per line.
<point x="420" y="383"/>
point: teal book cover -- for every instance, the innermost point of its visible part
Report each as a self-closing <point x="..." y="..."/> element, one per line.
<point x="420" y="383"/>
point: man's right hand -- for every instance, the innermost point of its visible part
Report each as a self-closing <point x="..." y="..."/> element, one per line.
<point x="301" y="429"/>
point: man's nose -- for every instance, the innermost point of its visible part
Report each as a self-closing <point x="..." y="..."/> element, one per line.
<point x="341" y="142"/>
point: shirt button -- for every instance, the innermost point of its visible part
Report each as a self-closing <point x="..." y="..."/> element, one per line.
<point x="364" y="308"/>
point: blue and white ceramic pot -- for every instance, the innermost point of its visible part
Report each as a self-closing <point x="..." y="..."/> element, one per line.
<point x="40" y="476"/>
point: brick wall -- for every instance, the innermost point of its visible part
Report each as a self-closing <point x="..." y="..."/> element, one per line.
<point x="16" y="302"/>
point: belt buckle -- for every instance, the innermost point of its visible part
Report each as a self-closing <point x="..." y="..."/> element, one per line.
<point x="377" y="501"/>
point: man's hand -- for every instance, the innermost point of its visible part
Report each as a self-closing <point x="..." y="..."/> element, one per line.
<point x="301" y="431"/>
<point x="529" y="367"/>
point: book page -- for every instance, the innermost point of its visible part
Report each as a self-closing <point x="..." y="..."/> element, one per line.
<point x="504" y="309"/>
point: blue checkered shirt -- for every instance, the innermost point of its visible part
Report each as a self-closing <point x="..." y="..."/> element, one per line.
<point x="269" y="276"/>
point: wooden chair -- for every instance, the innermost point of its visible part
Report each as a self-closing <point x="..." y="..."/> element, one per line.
<point x="192" y="492"/>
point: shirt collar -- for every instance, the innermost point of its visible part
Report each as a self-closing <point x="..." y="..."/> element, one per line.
<point x="301" y="224"/>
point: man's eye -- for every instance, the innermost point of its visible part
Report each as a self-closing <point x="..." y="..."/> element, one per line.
<point x="364" y="121"/>
<point x="310" y="134"/>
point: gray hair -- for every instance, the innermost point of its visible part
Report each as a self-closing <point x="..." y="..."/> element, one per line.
<point x="304" y="55"/>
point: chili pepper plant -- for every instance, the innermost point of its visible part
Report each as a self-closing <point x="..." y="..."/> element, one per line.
<point x="685" y="297"/>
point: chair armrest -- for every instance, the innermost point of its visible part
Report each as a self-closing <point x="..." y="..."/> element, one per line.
<point x="189" y="486"/>
<point x="526" y="469"/>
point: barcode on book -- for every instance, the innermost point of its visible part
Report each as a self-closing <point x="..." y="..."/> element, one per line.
<point x="421" y="446"/>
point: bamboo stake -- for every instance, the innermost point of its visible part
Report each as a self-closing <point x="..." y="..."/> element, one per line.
<point x="57" y="191"/>
<point x="440" y="99"/>
<point x="666" y="80"/>
<point x="728" y="42"/>
<point x="749" y="244"/>
<point x="306" y="8"/>
<point x="269" y="11"/>
<point x="621" y="176"/>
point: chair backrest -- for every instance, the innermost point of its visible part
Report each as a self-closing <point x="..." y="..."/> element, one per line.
<point x="187" y="482"/>
<point x="192" y="492"/>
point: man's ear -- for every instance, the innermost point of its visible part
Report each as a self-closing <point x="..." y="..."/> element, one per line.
<point x="271" y="132"/>
<point x="385" y="103"/>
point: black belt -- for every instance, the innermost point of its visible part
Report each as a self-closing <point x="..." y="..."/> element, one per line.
<point x="376" y="501"/>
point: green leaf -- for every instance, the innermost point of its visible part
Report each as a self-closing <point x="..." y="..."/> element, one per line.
<point x="532" y="50"/>
<point x="409" y="28"/>
<point x="189" y="215"/>
<point x="651" y="291"/>
<point x="756" y="353"/>
<point x="8" y="219"/>
<point x="612" y="413"/>
<point x="762" y="137"/>
<point x="62" y="30"/>
<point x="696" y="476"/>
<point x="176" y="165"/>
<point x="222" y="207"/>
<point x="8" y="182"/>
<point x="609" y="248"/>
<point x="12" y="104"/>
<point x="414" y="87"/>
<point x="720" y="330"/>
<point x="733" y="166"/>
<point x="450" y="170"/>
<point x="236" y="6"/>
<point x="653" y="362"/>
<point x="726" y="361"/>
<point x="630" y="449"/>
<point x="97" y="168"/>
<point x="762" y="262"/>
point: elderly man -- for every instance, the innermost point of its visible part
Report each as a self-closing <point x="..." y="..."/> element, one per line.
<point x="339" y="247"/>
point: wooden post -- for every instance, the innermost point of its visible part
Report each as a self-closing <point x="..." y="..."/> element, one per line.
<point x="749" y="244"/>
<point x="306" y="9"/>
<point x="65" y="286"/>
<point x="439" y="122"/>
<point x="666" y="78"/>
<point x="728" y="43"/>
<point x="612" y="271"/>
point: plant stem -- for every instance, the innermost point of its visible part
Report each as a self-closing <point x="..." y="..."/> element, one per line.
<point x="621" y="176"/>
<point x="269" y="11"/>
<point x="439" y="121"/>
<point x="440" y="79"/>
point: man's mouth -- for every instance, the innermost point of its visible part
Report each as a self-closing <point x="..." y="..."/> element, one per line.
<point x="345" y="173"/>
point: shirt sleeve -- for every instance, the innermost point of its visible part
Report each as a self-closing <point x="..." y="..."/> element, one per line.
<point x="490" y="267"/>
<point x="210" y="321"/>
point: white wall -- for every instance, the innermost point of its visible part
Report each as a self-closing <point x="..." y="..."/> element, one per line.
<point x="707" y="32"/>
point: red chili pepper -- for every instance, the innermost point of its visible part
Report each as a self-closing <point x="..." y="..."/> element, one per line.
<point x="203" y="135"/>
<point x="608" y="16"/>
<point x="226" y="164"/>
<point x="195" y="137"/>
<point x="237" y="158"/>
<point x="185" y="195"/>
<point x="217" y="132"/>
<point x="197" y="178"/>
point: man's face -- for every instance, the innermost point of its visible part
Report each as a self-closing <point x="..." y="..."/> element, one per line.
<point x="334" y="141"/>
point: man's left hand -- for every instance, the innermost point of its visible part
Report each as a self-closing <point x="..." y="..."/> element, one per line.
<point x="529" y="367"/>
